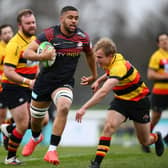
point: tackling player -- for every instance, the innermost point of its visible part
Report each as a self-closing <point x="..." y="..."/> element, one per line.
<point x="130" y="100"/>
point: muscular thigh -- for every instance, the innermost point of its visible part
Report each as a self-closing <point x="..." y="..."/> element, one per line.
<point x="21" y="113"/>
<point x="115" y="118"/>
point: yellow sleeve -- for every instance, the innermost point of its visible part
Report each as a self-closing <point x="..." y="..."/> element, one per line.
<point x="154" y="61"/>
<point x="12" y="54"/>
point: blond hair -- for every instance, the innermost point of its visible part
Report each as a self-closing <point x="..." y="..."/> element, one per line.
<point x="107" y="45"/>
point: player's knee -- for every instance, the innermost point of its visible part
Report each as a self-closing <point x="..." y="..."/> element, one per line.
<point x="63" y="109"/>
<point x="109" y="128"/>
<point x="45" y="120"/>
<point x="38" y="112"/>
<point x="63" y="93"/>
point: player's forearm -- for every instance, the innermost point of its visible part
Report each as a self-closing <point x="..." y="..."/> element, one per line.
<point x="31" y="55"/>
<point x="95" y="99"/>
<point x="94" y="71"/>
<point x="102" y="78"/>
<point x="15" y="77"/>
<point x="93" y="68"/>
<point x="152" y="75"/>
<point x="92" y="65"/>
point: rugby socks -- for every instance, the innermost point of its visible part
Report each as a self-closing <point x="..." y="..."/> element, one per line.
<point x="54" y="142"/>
<point x="11" y="127"/>
<point x="36" y="135"/>
<point x="102" y="149"/>
<point x="14" y="142"/>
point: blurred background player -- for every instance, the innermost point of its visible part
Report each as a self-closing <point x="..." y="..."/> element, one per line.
<point x="18" y="80"/>
<point x="158" y="73"/>
<point x="130" y="100"/>
<point x="6" y="33"/>
<point x="56" y="82"/>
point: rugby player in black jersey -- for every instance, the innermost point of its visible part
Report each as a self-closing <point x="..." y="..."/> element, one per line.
<point x="55" y="83"/>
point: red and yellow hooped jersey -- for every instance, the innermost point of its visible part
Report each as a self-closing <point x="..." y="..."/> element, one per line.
<point x="14" y="58"/>
<point x="159" y="63"/>
<point x="130" y="86"/>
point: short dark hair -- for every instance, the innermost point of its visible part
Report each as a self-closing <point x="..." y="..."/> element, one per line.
<point x="4" y="26"/>
<point x="160" y="34"/>
<point x="23" y="12"/>
<point x="68" y="8"/>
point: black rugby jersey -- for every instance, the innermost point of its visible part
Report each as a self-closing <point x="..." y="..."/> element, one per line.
<point x="68" y="51"/>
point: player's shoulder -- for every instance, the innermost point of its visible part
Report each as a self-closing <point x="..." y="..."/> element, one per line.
<point x="121" y="62"/>
<point x="15" y="39"/>
<point x="33" y="38"/>
<point x="156" y="53"/>
<point x="2" y="44"/>
<point x="81" y="33"/>
<point x="50" y="32"/>
<point x="51" y="29"/>
<point x="13" y="43"/>
<point x="119" y="57"/>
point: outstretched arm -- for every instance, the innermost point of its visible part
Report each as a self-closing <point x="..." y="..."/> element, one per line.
<point x="92" y="65"/>
<point x="97" y="97"/>
<point x="96" y="84"/>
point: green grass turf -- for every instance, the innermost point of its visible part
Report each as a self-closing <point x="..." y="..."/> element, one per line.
<point x="79" y="157"/>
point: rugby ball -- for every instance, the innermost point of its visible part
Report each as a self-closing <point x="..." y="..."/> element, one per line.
<point x="49" y="46"/>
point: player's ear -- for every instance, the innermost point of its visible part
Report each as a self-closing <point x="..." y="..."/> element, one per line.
<point x="61" y="18"/>
<point x="19" y="26"/>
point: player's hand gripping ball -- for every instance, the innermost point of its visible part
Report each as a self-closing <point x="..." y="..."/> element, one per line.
<point x="49" y="46"/>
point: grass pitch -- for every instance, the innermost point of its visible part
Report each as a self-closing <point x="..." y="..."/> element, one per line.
<point x="79" y="157"/>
